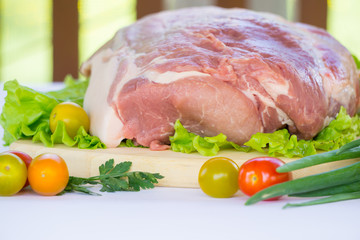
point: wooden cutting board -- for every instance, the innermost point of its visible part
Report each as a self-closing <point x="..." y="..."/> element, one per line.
<point x="178" y="169"/>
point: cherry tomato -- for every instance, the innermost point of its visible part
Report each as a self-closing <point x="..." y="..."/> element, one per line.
<point x="48" y="174"/>
<point x="26" y="159"/>
<point x="259" y="173"/>
<point x="13" y="174"/>
<point x="218" y="177"/>
<point x="72" y="114"/>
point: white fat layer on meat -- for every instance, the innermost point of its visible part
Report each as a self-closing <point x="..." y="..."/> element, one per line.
<point x="269" y="102"/>
<point x="284" y="118"/>
<point x="275" y="88"/>
<point x="157" y="60"/>
<point x="104" y="122"/>
<point x="327" y="121"/>
<point x="342" y="94"/>
<point x="170" y="76"/>
<point x="132" y="71"/>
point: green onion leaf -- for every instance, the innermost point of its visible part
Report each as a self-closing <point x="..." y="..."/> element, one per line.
<point x="331" y="199"/>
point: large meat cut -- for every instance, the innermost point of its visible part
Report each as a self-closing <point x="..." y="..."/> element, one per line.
<point x="230" y="71"/>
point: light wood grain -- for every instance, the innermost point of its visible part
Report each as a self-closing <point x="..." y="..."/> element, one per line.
<point x="179" y="169"/>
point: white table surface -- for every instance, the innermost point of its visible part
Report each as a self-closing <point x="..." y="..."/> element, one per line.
<point x="169" y="213"/>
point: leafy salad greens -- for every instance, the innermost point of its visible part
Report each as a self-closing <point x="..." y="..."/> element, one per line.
<point x="26" y="112"/>
<point x="340" y="131"/>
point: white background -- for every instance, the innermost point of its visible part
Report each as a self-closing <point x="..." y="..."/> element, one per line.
<point x="170" y="213"/>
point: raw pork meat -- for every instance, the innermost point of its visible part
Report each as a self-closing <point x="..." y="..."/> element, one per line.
<point x="230" y="71"/>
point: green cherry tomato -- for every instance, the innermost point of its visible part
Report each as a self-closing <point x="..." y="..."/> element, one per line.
<point x="13" y="174"/>
<point x="72" y="114"/>
<point x="218" y="177"/>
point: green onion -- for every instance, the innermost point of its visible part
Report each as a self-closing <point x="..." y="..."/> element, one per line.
<point x="353" y="144"/>
<point x="336" y="177"/>
<point x="326" y="157"/>
<point x="331" y="199"/>
<point x="345" y="188"/>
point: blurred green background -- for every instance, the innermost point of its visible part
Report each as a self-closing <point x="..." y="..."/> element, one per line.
<point x="343" y="23"/>
<point x="26" y="34"/>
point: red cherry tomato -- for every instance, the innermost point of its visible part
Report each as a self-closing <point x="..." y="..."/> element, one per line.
<point x="26" y="159"/>
<point x="259" y="173"/>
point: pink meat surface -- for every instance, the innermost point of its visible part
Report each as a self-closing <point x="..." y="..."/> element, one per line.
<point x="230" y="71"/>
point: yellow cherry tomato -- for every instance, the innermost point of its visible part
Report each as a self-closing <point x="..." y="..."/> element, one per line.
<point x="218" y="177"/>
<point x="72" y="114"/>
<point x="13" y="174"/>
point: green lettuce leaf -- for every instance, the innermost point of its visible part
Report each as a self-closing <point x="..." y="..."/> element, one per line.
<point x="186" y="142"/>
<point x="357" y="61"/>
<point x="341" y="130"/>
<point x="129" y="143"/>
<point x="74" y="91"/>
<point x="280" y="143"/>
<point x="86" y="141"/>
<point x="26" y="112"/>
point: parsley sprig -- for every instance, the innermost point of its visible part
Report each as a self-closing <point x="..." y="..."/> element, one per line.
<point x="114" y="178"/>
